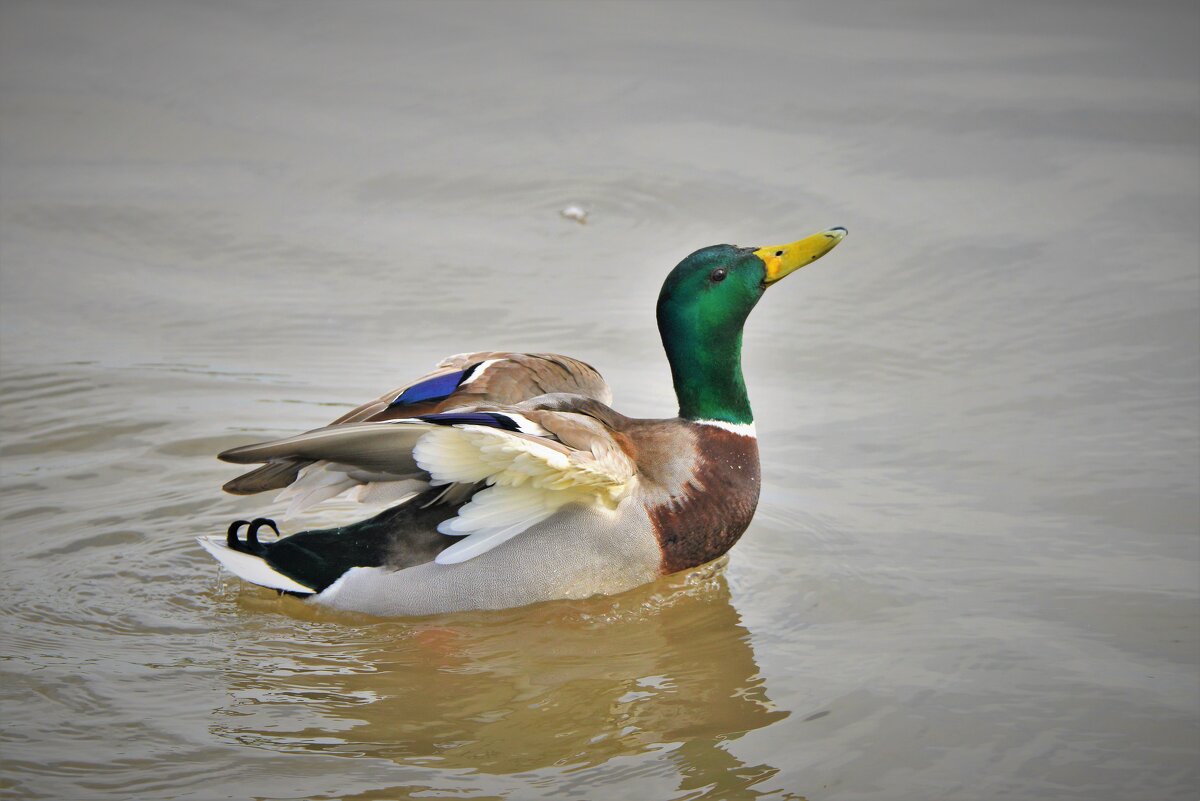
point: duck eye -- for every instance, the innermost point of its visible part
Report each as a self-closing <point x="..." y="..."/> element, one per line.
<point x="779" y="253"/>
<point x="718" y="275"/>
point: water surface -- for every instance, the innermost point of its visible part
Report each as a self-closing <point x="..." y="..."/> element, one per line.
<point x="975" y="570"/>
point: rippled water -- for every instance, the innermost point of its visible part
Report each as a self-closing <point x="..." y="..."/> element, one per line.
<point x="975" y="570"/>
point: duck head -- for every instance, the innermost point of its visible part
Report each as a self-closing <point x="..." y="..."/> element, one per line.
<point x="702" y="308"/>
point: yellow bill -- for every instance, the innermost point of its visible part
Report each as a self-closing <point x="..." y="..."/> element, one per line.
<point x="784" y="259"/>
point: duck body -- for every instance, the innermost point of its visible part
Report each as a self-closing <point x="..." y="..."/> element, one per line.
<point x="512" y="479"/>
<point x="583" y="550"/>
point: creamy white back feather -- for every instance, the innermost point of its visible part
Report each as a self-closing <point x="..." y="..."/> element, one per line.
<point x="530" y="481"/>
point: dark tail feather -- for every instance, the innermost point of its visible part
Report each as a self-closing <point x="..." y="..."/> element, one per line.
<point x="275" y="475"/>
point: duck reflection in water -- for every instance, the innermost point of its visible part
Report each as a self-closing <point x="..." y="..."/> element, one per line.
<point x="567" y="685"/>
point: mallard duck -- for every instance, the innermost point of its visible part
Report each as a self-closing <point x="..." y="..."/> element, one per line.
<point x="512" y="479"/>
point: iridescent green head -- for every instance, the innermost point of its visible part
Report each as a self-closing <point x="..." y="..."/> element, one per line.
<point x="701" y="310"/>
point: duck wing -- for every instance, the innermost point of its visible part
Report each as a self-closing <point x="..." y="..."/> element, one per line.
<point x="530" y="460"/>
<point x="465" y="380"/>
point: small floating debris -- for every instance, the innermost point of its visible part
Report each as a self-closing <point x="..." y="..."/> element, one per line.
<point x="577" y="213"/>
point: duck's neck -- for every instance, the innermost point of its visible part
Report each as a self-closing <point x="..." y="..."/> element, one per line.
<point x="707" y="375"/>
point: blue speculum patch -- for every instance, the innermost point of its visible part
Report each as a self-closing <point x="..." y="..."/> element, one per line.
<point x="436" y="388"/>
<point x="489" y="419"/>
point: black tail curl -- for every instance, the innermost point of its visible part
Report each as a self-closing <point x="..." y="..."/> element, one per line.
<point x="250" y="545"/>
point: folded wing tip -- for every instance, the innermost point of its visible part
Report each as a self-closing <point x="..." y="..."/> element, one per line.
<point x="233" y="455"/>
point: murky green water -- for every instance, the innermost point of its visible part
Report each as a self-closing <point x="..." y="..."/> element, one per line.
<point x="975" y="570"/>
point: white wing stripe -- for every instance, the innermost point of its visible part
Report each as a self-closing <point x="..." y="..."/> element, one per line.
<point x="479" y="371"/>
<point x="525" y="425"/>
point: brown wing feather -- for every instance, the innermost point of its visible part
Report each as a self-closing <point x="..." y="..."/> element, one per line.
<point x="511" y="379"/>
<point x="273" y="475"/>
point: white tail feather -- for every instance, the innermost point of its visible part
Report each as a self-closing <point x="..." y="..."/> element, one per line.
<point x="319" y="494"/>
<point x="249" y="567"/>
<point x="324" y="480"/>
<point x="390" y="492"/>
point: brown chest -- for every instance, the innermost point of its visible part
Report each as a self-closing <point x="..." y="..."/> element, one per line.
<point x="707" y="513"/>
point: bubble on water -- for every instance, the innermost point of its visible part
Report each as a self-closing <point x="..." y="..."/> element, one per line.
<point x="577" y="213"/>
